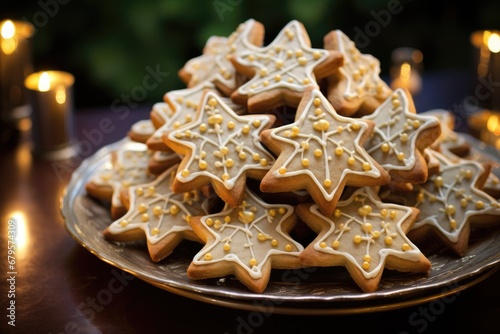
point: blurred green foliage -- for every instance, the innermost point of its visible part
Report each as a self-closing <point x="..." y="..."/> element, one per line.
<point x="108" y="44"/>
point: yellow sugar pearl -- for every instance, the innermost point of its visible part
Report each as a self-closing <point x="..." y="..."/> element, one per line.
<point x="453" y="224"/>
<point x="289" y="53"/>
<point x="302" y="61"/>
<point x="403" y="137"/>
<point x="365" y="210"/>
<point x="279" y="63"/>
<point x="376" y="234"/>
<point x="383" y="213"/>
<point x="355" y="126"/>
<point x="263" y="162"/>
<point x="438" y="181"/>
<point x="339" y="151"/>
<point x="242" y="155"/>
<point x="225" y="176"/>
<point x="479" y="205"/>
<point x="317" y="102"/>
<point x="295" y="131"/>
<point x="144" y="217"/>
<point x="316" y="55"/>
<point x="322" y="244"/>
<point x="277" y="78"/>
<point x="282" y="210"/>
<point x="256" y="123"/>
<point x="230" y="125"/>
<point x="416" y="124"/>
<point x="174" y="209"/>
<point x="217" y="224"/>
<point x="261" y="237"/>
<point x="306" y="81"/>
<point x="212" y="102"/>
<point x="388" y="240"/>
<point x="227" y="219"/>
<point x="252" y="262"/>
<point x="185" y="173"/>
<point x="202" y="164"/>
<point x="351" y="161"/>
<point x="335" y="244"/>
<point x="395" y="102"/>
<point x="224" y="150"/>
<point x="337" y="213"/>
<point x="124" y="223"/>
<point x="272" y="212"/>
<point x="340" y="129"/>
<point x="288" y="248"/>
<point x="208" y="257"/>
<point x="357" y="239"/>
<point x="299" y="53"/>
<point x="367" y="258"/>
<point x="265" y="83"/>
<point x="203" y="154"/>
<point x="356" y="75"/>
<point x="463" y="202"/>
<point x="157" y="210"/>
<point x="229" y="163"/>
<point x="401" y="156"/>
<point x="385" y="147"/>
<point x="327" y="183"/>
<point x="304" y="145"/>
<point x="321" y="125"/>
<point x="209" y="222"/>
<point x="366" y="265"/>
<point x="393" y="214"/>
<point x="142" y="208"/>
<point x="263" y="72"/>
<point x="468" y="174"/>
<point x="256" y="156"/>
<point x="282" y="170"/>
<point x="420" y="197"/>
<point x="139" y="191"/>
<point x="305" y="162"/>
<point x="245" y="129"/>
<point x="155" y="231"/>
<point x="318" y="153"/>
<point x="251" y="57"/>
<point x="405" y="247"/>
<point x="367" y="166"/>
<point x="274" y="243"/>
<point x="290" y="80"/>
<point x="367" y="227"/>
<point x="226" y="247"/>
<point x="450" y="210"/>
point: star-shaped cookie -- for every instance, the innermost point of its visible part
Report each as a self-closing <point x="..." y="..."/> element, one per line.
<point x="400" y="136"/>
<point x="247" y="241"/>
<point x="160" y="113"/>
<point x="451" y="201"/>
<point x="365" y="235"/>
<point x="281" y="71"/>
<point x="356" y="87"/>
<point x="220" y="148"/>
<point x="128" y="166"/>
<point x="214" y="65"/>
<point x="321" y="152"/>
<point x="184" y="104"/>
<point x="159" y="215"/>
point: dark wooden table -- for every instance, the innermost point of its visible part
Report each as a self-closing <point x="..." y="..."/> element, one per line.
<point x="62" y="288"/>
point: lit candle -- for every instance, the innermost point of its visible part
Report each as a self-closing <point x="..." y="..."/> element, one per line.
<point x="405" y="69"/>
<point x="15" y="65"/>
<point x="51" y="99"/>
<point x="487" y="67"/>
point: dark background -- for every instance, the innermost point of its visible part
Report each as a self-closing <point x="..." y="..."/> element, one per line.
<point x="108" y="44"/>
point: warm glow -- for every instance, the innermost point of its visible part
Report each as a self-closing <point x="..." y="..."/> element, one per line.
<point x="21" y="231"/>
<point x="493" y="125"/>
<point x="44" y="82"/>
<point x="494" y="43"/>
<point x="61" y="95"/>
<point x="405" y="72"/>
<point x="8" y="29"/>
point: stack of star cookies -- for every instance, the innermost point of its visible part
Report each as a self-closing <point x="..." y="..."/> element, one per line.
<point x="271" y="146"/>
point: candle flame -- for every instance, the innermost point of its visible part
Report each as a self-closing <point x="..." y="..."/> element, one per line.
<point x="61" y="95"/>
<point x="493" y="125"/>
<point x="405" y="72"/>
<point x="44" y="82"/>
<point x="8" y="29"/>
<point x="494" y="43"/>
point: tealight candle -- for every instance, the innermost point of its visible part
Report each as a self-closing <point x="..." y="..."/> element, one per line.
<point x="15" y="65"/>
<point x="51" y="98"/>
